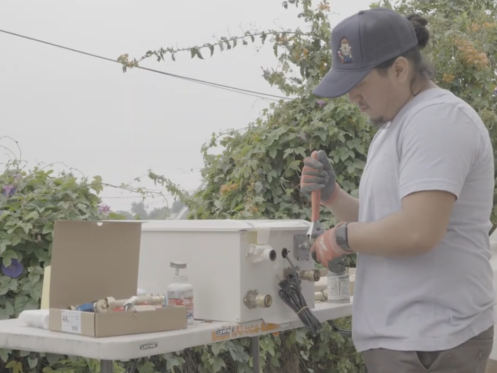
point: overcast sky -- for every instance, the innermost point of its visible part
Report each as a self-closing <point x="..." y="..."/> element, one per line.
<point x="66" y="107"/>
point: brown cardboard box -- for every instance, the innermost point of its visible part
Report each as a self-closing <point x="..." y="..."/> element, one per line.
<point x="95" y="260"/>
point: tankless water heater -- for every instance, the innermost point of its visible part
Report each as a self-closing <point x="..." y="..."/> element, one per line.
<point x="234" y="265"/>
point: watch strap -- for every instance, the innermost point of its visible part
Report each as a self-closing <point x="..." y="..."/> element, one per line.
<point x="342" y="239"/>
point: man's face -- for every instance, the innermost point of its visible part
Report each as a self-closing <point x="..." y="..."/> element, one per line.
<point x="380" y="96"/>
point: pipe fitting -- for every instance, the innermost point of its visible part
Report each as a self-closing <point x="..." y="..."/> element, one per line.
<point x="158" y="300"/>
<point x="313" y="275"/>
<point x="255" y="300"/>
<point x="310" y="275"/>
<point x="261" y="253"/>
<point x="321" y="296"/>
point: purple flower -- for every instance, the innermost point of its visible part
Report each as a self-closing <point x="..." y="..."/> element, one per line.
<point x="321" y="103"/>
<point x="14" y="270"/>
<point x="17" y="177"/>
<point x="104" y="209"/>
<point x="9" y="190"/>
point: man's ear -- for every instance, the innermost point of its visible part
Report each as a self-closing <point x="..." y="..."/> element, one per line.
<point x="401" y="69"/>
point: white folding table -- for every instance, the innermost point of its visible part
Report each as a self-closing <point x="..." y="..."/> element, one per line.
<point x="17" y="336"/>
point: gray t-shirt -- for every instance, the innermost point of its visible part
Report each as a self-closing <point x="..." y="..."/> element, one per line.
<point x="440" y="299"/>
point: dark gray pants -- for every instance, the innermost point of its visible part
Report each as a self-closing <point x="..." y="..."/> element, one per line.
<point x="469" y="357"/>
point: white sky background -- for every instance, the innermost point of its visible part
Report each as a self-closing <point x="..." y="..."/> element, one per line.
<point x="66" y="107"/>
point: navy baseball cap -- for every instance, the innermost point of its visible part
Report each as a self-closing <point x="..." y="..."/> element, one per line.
<point x="361" y="42"/>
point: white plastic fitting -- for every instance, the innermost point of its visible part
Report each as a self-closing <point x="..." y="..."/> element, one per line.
<point x="321" y="296"/>
<point x="261" y="253"/>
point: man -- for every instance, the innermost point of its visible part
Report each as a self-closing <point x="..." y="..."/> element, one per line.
<point x="424" y="296"/>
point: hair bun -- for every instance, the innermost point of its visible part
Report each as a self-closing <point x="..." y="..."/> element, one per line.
<point x="419" y="23"/>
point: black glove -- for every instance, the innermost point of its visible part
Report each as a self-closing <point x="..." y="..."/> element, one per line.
<point x="318" y="174"/>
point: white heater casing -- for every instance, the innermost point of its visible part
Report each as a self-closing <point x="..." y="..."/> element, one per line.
<point x="219" y="265"/>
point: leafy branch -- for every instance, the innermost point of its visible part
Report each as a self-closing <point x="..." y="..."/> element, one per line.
<point x="223" y="43"/>
<point x="171" y="187"/>
<point x="281" y="38"/>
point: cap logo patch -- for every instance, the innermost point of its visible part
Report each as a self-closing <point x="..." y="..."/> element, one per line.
<point x="345" y="51"/>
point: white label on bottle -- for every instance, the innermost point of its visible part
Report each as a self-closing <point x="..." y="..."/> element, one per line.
<point x="338" y="288"/>
<point x="71" y="321"/>
<point x="180" y="294"/>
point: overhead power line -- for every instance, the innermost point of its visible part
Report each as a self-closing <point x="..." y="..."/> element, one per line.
<point x="265" y="96"/>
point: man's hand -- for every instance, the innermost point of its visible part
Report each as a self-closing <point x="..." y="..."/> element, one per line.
<point x="318" y="174"/>
<point x="325" y="249"/>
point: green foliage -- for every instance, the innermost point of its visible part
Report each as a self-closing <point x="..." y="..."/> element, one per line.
<point x="71" y="364"/>
<point x="258" y="175"/>
<point x="29" y="211"/>
<point x="31" y="202"/>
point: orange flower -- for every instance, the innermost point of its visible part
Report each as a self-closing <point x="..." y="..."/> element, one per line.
<point x="227" y="188"/>
<point x="475" y="27"/>
<point x="470" y="55"/>
<point x="448" y="78"/>
<point x="324" y="7"/>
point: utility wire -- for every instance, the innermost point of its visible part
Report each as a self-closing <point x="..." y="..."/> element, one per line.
<point x="265" y="96"/>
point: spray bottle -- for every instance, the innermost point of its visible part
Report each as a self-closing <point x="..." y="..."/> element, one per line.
<point x="180" y="292"/>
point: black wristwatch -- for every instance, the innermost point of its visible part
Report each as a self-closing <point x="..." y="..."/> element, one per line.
<point x="342" y="238"/>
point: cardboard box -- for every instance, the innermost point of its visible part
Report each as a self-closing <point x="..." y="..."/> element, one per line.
<point x="94" y="260"/>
